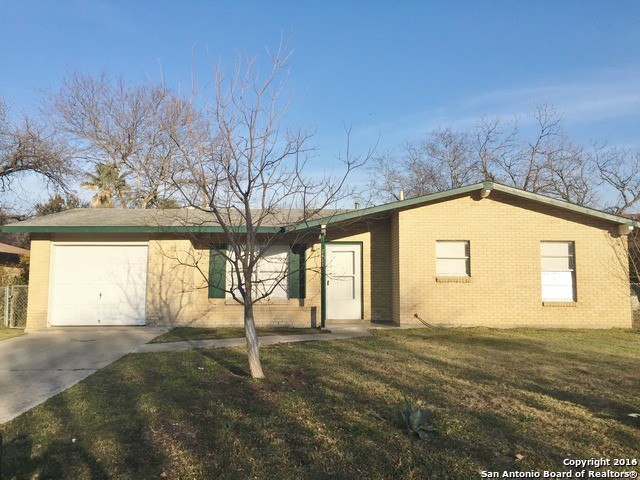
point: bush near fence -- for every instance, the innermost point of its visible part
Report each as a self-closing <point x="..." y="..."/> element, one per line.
<point x="13" y="305"/>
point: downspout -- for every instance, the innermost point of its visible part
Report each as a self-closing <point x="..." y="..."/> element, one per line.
<point x="323" y="275"/>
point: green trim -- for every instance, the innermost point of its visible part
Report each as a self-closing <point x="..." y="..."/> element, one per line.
<point x="562" y="204"/>
<point x="323" y="280"/>
<point x="296" y="280"/>
<point x="217" y="271"/>
<point x="489" y="186"/>
<point x="361" y="245"/>
<point x="361" y="212"/>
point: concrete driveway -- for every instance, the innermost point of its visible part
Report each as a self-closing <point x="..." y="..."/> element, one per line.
<point x="37" y="366"/>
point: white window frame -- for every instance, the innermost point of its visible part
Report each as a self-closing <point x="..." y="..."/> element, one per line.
<point x="558" y="272"/>
<point x="271" y="268"/>
<point x="445" y="258"/>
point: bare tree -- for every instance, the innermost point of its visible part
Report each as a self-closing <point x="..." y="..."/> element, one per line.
<point x="250" y="172"/>
<point x="28" y="148"/>
<point x="494" y="146"/>
<point x="544" y="162"/>
<point x="441" y="161"/>
<point x="620" y="171"/>
<point x="128" y="127"/>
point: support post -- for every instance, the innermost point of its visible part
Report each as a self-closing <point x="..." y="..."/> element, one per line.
<point x="323" y="277"/>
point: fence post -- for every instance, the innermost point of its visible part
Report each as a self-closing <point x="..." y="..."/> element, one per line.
<point x="6" y="306"/>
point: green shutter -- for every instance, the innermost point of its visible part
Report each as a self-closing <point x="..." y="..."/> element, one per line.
<point x="297" y="271"/>
<point x="217" y="271"/>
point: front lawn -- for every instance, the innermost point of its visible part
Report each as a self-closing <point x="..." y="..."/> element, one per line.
<point x="501" y="400"/>
<point x="182" y="334"/>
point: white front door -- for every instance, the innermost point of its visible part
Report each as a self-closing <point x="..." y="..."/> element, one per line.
<point x="98" y="285"/>
<point x="344" y="281"/>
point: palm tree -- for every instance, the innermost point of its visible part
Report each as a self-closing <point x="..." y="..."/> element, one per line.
<point x="109" y="182"/>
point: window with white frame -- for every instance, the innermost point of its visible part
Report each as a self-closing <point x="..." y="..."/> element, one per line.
<point x="452" y="258"/>
<point x="558" y="271"/>
<point x="269" y="275"/>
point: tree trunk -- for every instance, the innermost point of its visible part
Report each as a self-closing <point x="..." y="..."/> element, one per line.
<point x="252" y="341"/>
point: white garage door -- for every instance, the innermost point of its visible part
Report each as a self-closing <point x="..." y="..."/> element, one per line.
<point x="98" y="285"/>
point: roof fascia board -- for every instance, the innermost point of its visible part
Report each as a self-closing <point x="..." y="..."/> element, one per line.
<point x="387" y="207"/>
<point x="564" y="205"/>
<point x="485" y="187"/>
<point x="131" y="229"/>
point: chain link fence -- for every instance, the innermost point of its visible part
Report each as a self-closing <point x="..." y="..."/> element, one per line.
<point x="13" y="305"/>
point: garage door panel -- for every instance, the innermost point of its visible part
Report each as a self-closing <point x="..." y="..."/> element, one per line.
<point x="99" y="285"/>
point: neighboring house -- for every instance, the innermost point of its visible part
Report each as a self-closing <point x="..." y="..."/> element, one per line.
<point x="10" y="265"/>
<point x="10" y="255"/>
<point x="480" y="255"/>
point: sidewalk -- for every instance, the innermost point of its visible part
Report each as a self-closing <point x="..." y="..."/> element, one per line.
<point x="337" y="333"/>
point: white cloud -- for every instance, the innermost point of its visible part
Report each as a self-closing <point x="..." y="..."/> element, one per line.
<point x="606" y="103"/>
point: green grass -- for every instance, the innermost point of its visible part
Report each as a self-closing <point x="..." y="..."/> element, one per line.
<point x="10" y="332"/>
<point x="331" y="409"/>
<point x="182" y="334"/>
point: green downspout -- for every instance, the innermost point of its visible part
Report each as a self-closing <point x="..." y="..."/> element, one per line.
<point x="323" y="275"/>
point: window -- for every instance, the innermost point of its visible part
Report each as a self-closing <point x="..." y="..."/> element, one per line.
<point x="558" y="271"/>
<point x="280" y="271"/>
<point x="452" y="259"/>
<point x="270" y="272"/>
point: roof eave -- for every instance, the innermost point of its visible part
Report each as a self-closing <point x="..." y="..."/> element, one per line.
<point x="485" y="188"/>
<point x="564" y="205"/>
<point x="388" y="207"/>
<point x="131" y="229"/>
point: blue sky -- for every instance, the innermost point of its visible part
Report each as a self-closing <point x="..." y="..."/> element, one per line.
<point x="389" y="69"/>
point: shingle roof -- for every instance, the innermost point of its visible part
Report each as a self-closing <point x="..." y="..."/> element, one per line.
<point x="4" y="248"/>
<point x="195" y="220"/>
<point x="487" y="187"/>
<point x="150" y="220"/>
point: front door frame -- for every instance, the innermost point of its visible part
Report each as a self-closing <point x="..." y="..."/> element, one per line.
<point x="323" y="278"/>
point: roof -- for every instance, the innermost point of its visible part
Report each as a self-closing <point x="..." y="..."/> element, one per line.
<point x="195" y="220"/>
<point x="486" y="187"/>
<point x="4" y="248"/>
<point x="116" y="220"/>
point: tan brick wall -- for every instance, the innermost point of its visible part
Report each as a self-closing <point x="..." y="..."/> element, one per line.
<point x="399" y="271"/>
<point x="395" y="268"/>
<point x="177" y="289"/>
<point x="505" y="284"/>
<point x="375" y="237"/>
<point x="381" y="271"/>
<point x="177" y="292"/>
<point x="38" y="306"/>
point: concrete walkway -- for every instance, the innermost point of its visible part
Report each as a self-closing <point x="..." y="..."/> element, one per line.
<point x="337" y="333"/>
<point x="39" y="365"/>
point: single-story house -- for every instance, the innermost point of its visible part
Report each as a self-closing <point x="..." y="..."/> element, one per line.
<point x="480" y="255"/>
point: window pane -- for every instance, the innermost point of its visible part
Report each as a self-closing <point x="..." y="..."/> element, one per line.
<point x="451" y="266"/>
<point x="451" y="249"/>
<point x="270" y="268"/>
<point x="557" y="286"/>
<point x="557" y="278"/>
<point x="556" y="249"/>
<point x="556" y="263"/>
<point x="557" y="294"/>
